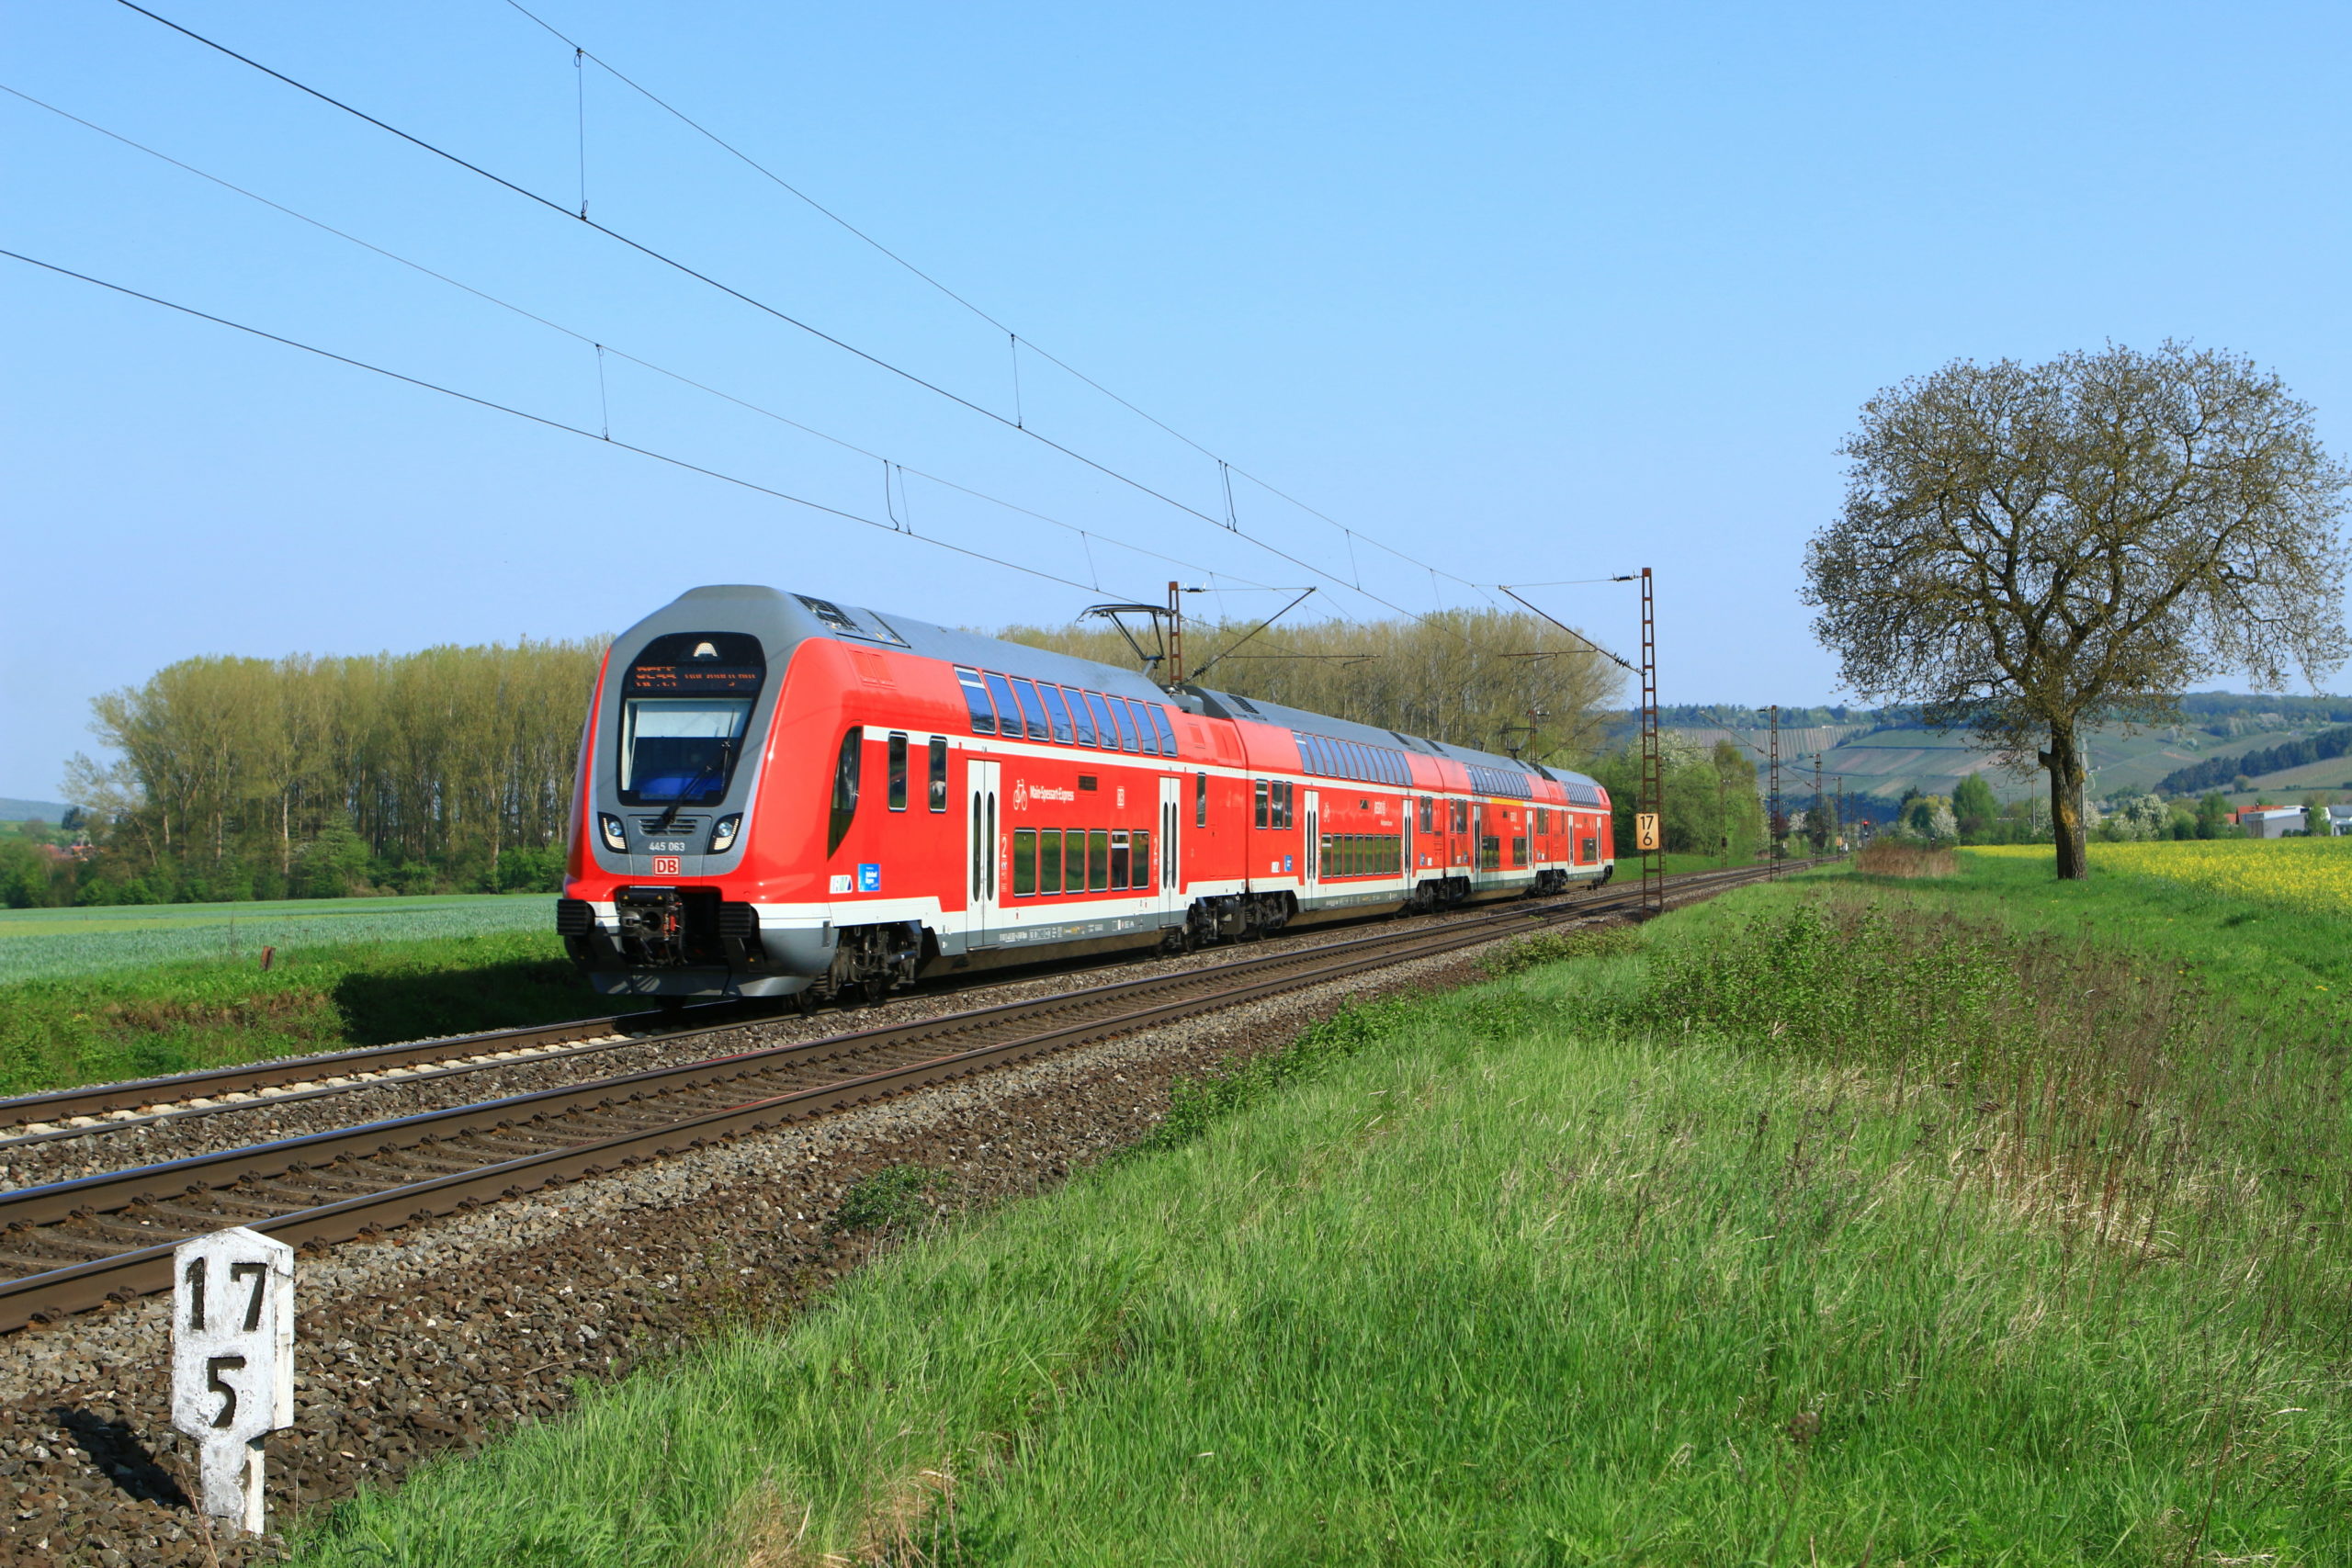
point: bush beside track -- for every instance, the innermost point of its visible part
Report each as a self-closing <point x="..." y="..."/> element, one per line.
<point x="1837" y="1224"/>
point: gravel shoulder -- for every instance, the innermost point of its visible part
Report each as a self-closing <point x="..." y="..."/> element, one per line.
<point x="434" y="1339"/>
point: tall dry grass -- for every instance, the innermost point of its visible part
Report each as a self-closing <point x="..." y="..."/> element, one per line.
<point x="1890" y="857"/>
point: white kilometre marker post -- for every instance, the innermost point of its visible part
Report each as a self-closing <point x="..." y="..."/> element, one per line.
<point x="233" y="1362"/>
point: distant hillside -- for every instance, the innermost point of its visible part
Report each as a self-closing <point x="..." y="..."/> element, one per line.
<point x="1882" y="753"/>
<point x="2219" y="772"/>
<point x="18" y="811"/>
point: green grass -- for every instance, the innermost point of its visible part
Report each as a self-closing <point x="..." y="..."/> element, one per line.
<point x="1810" y="1233"/>
<point x="37" y="943"/>
<point x="181" y="1016"/>
<point x="2273" y="960"/>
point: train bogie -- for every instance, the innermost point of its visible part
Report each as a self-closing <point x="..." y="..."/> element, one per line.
<point x="781" y="796"/>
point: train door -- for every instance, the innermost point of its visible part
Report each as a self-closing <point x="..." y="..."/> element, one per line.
<point x="1406" y="844"/>
<point x="1172" y="863"/>
<point x="981" y="853"/>
<point x="1477" y="842"/>
<point x="1310" y="849"/>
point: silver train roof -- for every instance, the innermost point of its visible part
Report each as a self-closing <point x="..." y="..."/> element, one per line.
<point x="784" y="620"/>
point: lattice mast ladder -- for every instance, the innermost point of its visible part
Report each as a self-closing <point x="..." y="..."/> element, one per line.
<point x="1813" y="830"/>
<point x="1774" y="827"/>
<point x="1653" y="797"/>
<point x="1175" y="637"/>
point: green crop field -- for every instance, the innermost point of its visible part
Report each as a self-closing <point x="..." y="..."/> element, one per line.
<point x="41" y="944"/>
<point x="1837" y="1222"/>
<point x="93" y="995"/>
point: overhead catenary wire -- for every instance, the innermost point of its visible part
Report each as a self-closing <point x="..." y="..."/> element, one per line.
<point x="1225" y="468"/>
<point x="541" y="420"/>
<point x="602" y="349"/>
<point x="757" y="304"/>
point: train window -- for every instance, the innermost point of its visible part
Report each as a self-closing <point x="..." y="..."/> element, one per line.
<point x="1008" y="712"/>
<point x="939" y="773"/>
<point x="1049" y="861"/>
<point x="1106" y="733"/>
<point x="1080" y="720"/>
<point x="1024" y="862"/>
<point x="1427" y="815"/>
<point x="1118" y="860"/>
<point x="845" y="766"/>
<point x="1054" y="710"/>
<point x="1264" y="791"/>
<point x="1098" y="860"/>
<point x="1126" y="724"/>
<point x="1200" y="800"/>
<point x="976" y="697"/>
<point x="1159" y="717"/>
<point x="1592" y="851"/>
<point x="1322" y="751"/>
<point x="1139" y="867"/>
<point x="1132" y="712"/>
<point x="1519" y="850"/>
<point x="1359" y="761"/>
<point x="1461" y="815"/>
<point x="1032" y="711"/>
<point x="1283" y="788"/>
<point x="898" y="773"/>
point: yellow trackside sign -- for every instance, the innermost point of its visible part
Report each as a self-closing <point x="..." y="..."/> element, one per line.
<point x="1646" y="831"/>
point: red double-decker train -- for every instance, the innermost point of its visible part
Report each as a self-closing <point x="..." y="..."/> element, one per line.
<point x="782" y="795"/>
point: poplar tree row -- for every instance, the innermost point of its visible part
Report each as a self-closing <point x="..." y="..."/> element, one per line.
<point x="1490" y="680"/>
<point x="444" y="769"/>
<point x="451" y="769"/>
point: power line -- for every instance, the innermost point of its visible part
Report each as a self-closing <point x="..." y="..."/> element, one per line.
<point x="541" y="420"/>
<point x="604" y="348"/>
<point x="757" y="304"/>
<point x="582" y="51"/>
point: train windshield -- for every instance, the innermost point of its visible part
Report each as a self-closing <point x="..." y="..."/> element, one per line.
<point x="685" y="704"/>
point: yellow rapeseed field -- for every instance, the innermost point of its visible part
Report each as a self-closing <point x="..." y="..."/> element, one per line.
<point x="2301" y="874"/>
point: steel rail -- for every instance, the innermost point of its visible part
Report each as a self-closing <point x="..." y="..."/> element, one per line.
<point x="178" y="1089"/>
<point x="172" y="1095"/>
<point x="174" y="1092"/>
<point x="1136" y="1004"/>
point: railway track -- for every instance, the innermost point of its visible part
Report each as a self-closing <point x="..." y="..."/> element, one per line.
<point x="72" y="1246"/>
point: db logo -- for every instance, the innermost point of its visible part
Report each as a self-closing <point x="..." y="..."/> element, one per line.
<point x="665" y="865"/>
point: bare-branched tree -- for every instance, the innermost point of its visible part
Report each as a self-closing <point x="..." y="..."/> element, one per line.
<point x="2029" y="550"/>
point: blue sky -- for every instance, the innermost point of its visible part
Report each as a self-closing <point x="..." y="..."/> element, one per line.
<point x="1527" y="292"/>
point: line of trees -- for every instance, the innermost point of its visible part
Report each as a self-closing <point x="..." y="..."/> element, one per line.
<point x="2222" y="772"/>
<point x="1711" y="806"/>
<point x="451" y="769"/>
<point x="444" y="770"/>
<point x="1491" y="680"/>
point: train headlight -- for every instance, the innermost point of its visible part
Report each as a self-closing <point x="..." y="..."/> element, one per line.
<point x="615" y="838"/>
<point x="722" y="833"/>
